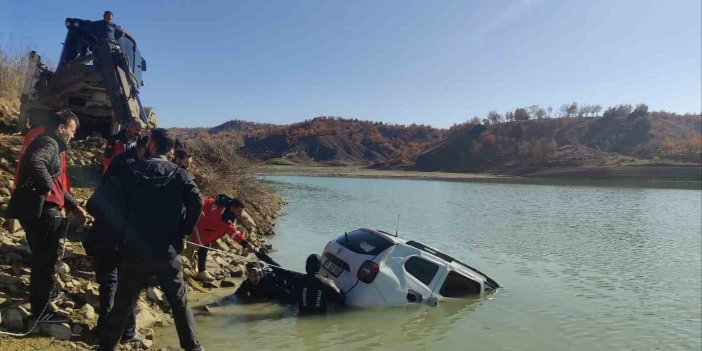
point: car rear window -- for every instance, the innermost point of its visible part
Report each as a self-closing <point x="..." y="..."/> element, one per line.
<point x="363" y="242"/>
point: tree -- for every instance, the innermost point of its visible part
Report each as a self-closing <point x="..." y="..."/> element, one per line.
<point x="596" y="110"/>
<point x="494" y="117"/>
<point x="521" y="114"/>
<point x="619" y="111"/>
<point x="640" y="111"/>
<point x="549" y="110"/>
<point x="509" y="116"/>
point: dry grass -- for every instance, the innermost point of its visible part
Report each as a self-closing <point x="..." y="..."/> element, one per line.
<point x="220" y="170"/>
<point x="12" y="66"/>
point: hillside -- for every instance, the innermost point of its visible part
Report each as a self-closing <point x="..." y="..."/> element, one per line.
<point x="575" y="147"/>
<point x="326" y="140"/>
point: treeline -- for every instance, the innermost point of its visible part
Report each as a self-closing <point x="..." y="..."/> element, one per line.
<point x="571" y="110"/>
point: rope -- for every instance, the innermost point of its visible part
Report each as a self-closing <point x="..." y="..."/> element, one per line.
<point x="247" y="259"/>
<point x="51" y="293"/>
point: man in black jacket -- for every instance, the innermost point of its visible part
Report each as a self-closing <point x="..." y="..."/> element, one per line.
<point x="156" y="190"/>
<point x="104" y="241"/>
<point x="38" y="202"/>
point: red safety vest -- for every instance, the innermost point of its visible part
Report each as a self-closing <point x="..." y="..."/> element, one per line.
<point x="28" y="138"/>
<point x="117" y="148"/>
<point x="211" y="227"/>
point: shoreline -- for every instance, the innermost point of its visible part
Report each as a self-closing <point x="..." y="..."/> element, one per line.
<point x="567" y="176"/>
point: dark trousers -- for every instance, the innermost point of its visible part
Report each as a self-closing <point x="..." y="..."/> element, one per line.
<point x="106" y="273"/>
<point x="43" y="236"/>
<point x="202" y="259"/>
<point x="136" y="273"/>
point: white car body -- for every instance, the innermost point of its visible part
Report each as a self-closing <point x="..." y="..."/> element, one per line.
<point x="407" y="271"/>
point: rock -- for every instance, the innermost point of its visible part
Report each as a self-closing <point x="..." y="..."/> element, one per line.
<point x="12" y="258"/>
<point x="148" y="333"/>
<point x="88" y="311"/>
<point x="13" y="225"/>
<point x="236" y="271"/>
<point x="10" y="281"/>
<point x="146" y="343"/>
<point x="15" y="318"/>
<point x="78" y="329"/>
<point x="228" y="283"/>
<point x="155" y="294"/>
<point x="53" y="307"/>
<point x="4" y="199"/>
<point x="146" y="317"/>
<point x="92" y="297"/>
<point x="60" y="331"/>
<point x="62" y="268"/>
<point x="68" y="304"/>
<point x="4" y="191"/>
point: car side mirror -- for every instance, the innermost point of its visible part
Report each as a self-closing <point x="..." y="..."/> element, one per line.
<point x="143" y="65"/>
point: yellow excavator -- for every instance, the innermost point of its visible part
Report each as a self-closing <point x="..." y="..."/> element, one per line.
<point x="99" y="80"/>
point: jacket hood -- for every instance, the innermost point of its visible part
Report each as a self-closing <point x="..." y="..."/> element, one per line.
<point x="156" y="172"/>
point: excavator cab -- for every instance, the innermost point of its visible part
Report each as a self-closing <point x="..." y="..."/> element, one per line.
<point x="98" y="80"/>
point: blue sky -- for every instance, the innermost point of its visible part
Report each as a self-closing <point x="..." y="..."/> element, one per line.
<point x="429" y="62"/>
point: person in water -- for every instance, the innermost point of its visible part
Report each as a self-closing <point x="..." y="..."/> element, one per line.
<point x="314" y="292"/>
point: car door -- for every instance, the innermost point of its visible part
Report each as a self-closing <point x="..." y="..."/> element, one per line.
<point x="423" y="274"/>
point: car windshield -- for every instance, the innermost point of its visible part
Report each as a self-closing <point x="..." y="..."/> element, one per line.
<point x="364" y="242"/>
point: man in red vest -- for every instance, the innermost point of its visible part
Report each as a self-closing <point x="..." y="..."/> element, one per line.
<point x="216" y="221"/>
<point x="124" y="140"/>
<point x="28" y="138"/>
<point x="38" y="200"/>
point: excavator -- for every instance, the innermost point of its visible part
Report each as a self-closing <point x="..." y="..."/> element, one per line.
<point x="98" y="80"/>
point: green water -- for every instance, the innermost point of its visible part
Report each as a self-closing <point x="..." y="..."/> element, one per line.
<point x="583" y="268"/>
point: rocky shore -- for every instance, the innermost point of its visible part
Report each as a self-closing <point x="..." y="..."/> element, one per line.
<point x="74" y="276"/>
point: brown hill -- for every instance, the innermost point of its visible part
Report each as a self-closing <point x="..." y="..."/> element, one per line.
<point x="558" y="146"/>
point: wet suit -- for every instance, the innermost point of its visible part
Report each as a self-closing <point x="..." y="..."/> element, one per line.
<point x="267" y="288"/>
<point x="314" y="292"/>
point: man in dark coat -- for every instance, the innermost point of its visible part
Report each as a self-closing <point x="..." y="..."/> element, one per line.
<point x="38" y="202"/>
<point x="107" y="30"/>
<point x="104" y="241"/>
<point x="156" y="190"/>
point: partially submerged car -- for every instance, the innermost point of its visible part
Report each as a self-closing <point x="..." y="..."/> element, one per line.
<point x="375" y="268"/>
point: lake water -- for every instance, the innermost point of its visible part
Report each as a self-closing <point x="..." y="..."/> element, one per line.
<point x="583" y="268"/>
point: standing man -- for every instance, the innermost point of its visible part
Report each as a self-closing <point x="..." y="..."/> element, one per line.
<point x="124" y="140"/>
<point x="156" y="191"/>
<point x="107" y="30"/>
<point x="183" y="158"/>
<point x="38" y="201"/>
<point x="105" y="240"/>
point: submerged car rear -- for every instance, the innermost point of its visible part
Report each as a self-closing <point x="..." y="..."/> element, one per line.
<point x="352" y="262"/>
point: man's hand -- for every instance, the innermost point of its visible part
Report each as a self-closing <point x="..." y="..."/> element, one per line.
<point x="48" y="193"/>
<point x="80" y="212"/>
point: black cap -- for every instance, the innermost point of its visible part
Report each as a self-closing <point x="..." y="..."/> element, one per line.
<point x="313" y="264"/>
<point x="106" y="13"/>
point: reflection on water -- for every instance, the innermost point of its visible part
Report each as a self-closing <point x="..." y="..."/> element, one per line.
<point x="583" y="268"/>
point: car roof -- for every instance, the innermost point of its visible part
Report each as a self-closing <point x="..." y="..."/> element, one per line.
<point x="426" y="249"/>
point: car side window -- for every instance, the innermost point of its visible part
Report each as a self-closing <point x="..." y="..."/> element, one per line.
<point x="421" y="269"/>
<point x="457" y="285"/>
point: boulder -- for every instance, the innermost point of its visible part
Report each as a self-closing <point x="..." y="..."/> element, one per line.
<point x="88" y="311"/>
<point x="155" y="294"/>
<point x="12" y="225"/>
<point x="15" y="318"/>
<point x="60" y="331"/>
<point x="236" y="270"/>
<point x="228" y="283"/>
<point x="92" y="297"/>
<point x="5" y="192"/>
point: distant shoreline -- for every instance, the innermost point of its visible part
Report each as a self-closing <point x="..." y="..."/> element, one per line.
<point x="576" y="176"/>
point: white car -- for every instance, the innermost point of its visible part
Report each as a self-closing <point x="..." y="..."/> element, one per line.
<point x="375" y="268"/>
